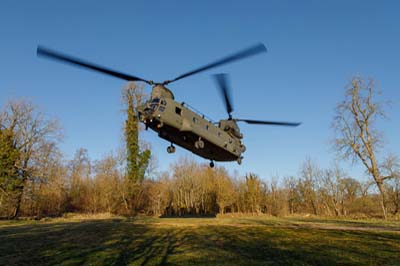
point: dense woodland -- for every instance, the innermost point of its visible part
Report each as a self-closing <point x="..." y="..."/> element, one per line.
<point x="36" y="180"/>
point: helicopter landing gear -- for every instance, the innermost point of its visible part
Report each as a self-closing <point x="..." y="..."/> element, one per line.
<point x="212" y="164"/>
<point x="199" y="144"/>
<point x="239" y="160"/>
<point x="171" y="149"/>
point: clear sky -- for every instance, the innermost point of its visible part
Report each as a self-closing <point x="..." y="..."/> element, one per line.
<point x="314" y="48"/>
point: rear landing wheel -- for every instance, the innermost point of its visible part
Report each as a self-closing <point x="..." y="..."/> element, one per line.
<point x="239" y="160"/>
<point x="212" y="164"/>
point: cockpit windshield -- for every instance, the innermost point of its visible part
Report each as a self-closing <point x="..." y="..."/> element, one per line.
<point x="154" y="103"/>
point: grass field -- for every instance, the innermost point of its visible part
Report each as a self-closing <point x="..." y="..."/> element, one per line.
<point x="199" y="241"/>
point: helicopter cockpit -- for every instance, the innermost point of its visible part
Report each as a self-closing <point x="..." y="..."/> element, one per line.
<point x="155" y="104"/>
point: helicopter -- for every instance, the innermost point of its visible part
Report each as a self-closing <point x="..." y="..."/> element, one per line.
<point x="177" y="122"/>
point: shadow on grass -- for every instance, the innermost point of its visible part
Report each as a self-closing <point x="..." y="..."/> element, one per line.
<point x="126" y="242"/>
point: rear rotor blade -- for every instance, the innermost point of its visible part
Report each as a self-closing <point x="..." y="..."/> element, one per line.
<point x="222" y="82"/>
<point x="41" y="51"/>
<point x="274" y="123"/>
<point x="256" y="49"/>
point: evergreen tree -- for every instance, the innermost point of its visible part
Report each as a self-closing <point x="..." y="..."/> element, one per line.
<point x="10" y="181"/>
<point x="137" y="160"/>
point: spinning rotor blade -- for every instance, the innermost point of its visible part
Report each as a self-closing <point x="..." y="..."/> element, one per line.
<point x="256" y="49"/>
<point x="274" y="123"/>
<point x="41" y="51"/>
<point x="222" y="81"/>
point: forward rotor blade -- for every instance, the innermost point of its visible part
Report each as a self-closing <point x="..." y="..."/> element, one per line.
<point x="274" y="123"/>
<point x="44" y="52"/>
<point x="222" y="82"/>
<point x="256" y="49"/>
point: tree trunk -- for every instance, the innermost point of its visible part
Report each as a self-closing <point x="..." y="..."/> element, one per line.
<point x="314" y="207"/>
<point x="18" y="205"/>
<point x="335" y="207"/>
<point x="383" y="198"/>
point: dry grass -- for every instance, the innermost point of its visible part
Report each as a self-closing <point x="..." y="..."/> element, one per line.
<point x="88" y="216"/>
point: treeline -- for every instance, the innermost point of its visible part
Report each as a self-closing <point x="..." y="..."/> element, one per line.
<point x="36" y="180"/>
<point x="194" y="189"/>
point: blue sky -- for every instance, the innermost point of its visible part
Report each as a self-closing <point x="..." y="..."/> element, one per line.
<point x="314" y="48"/>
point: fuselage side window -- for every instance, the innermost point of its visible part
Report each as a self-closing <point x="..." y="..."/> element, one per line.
<point x="178" y="110"/>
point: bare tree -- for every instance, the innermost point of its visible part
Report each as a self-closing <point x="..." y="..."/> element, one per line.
<point x="357" y="137"/>
<point x="276" y="199"/>
<point x="391" y="167"/>
<point x="332" y="191"/>
<point x="254" y="193"/>
<point x="47" y="196"/>
<point x="311" y="175"/>
<point x="79" y="171"/>
<point x="224" y="189"/>
<point x="292" y="195"/>
<point x="35" y="137"/>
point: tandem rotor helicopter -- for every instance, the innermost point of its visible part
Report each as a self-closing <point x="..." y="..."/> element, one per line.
<point x="177" y="122"/>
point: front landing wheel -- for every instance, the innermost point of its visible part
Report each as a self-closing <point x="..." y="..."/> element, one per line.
<point x="212" y="164"/>
<point x="171" y="149"/>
